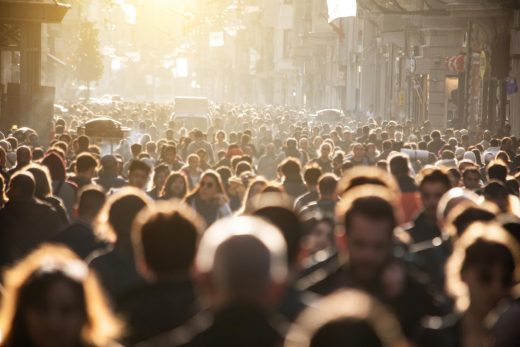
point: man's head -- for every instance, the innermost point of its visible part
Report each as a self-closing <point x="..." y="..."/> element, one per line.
<point x="399" y="165"/>
<point x="90" y="201"/>
<point x="83" y="143"/>
<point x="165" y="238"/>
<point x="327" y="186"/>
<point x="86" y="165"/>
<point x="367" y="216"/>
<point x="136" y="149"/>
<point x="471" y="178"/>
<point x="138" y="174"/>
<point x="23" y="156"/>
<point x="497" y="170"/>
<point x="242" y="259"/>
<point x="433" y="183"/>
<point x="21" y="186"/>
<point x="358" y="151"/>
<point x="311" y="176"/>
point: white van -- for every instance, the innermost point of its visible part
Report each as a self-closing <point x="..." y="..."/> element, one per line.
<point x="192" y="112"/>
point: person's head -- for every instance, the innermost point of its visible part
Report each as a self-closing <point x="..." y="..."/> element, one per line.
<point x="109" y="164"/>
<point x="497" y="193"/>
<point x="42" y="180"/>
<point x="254" y="188"/>
<point x="433" y="183"/>
<point x="136" y="149"/>
<point x="193" y="161"/>
<point x="86" y="165"/>
<point x="464" y="214"/>
<point x="435" y="135"/>
<point x="483" y="267"/>
<point x="291" y="168"/>
<point x="160" y="174"/>
<point x="21" y="186"/>
<point x="138" y="174"/>
<point x="366" y="216"/>
<point x="52" y="299"/>
<point x="209" y="186"/>
<point x="346" y="318"/>
<point x="358" y="151"/>
<point x="175" y="186"/>
<point x="327" y="186"/>
<point x="242" y="259"/>
<point x="89" y="202"/>
<point x="23" y="155"/>
<point x="56" y="166"/>
<point x="272" y="207"/>
<point x="471" y="178"/>
<point x="165" y="238"/>
<point x="83" y="143"/>
<point x="497" y="170"/>
<point x="486" y="135"/>
<point x="117" y="215"/>
<point x="169" y="153"/>
<point x="361" y="175"/>
<point x="325" y="150"/>
<point x="399" y="165"/>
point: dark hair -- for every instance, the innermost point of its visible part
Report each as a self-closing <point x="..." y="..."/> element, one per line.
<point x="85" y="161"/>
<point x="83" y="142"/>
<point x="469" y="215"/>
<point x="136" y="148"/>
<point x="496" y="170"/>
<point x="23" y="183"/>
<point x="399" y="165"/>
<point x="139" y="165"/>
<point x="167" y="193"/>
<point x="166" y="239"/>
<point x="123" y="211"/>
<point x="435" y="134"/>
<point x="327" y="184"/>
<point x="291" y="168"/>
<point x="434" y="175"/>
<point x="91" y="199"/>
<point x="485" y="254"/>
<point x="470" y="170"/>
<point x="311" y="175"/>
<point x="346" y="332"/>
<point x="371" y="207"/>
<point x="288" y="223"/>
<point x="42" y="182"/>
<point x="56" y="166"/>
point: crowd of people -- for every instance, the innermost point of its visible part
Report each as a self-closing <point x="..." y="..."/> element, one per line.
<point x="268" y="229"/>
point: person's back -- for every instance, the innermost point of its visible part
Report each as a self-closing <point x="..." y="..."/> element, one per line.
<point x="80" y="236"/>
<point x="25" y="222"/>
<point x="241" y="263"/>
<point x="116" y="268"/>
<point x="165" y="238"/>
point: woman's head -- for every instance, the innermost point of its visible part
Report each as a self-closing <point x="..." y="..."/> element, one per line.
<point x="254" y="188"/>
<point x="209" y="186"/>
<point x="52" y="299"/>
<point x="56" y="166"/>
<point x="42" y="180"/>
<point x="483" y="267"/>
<point x="176" y="186"/>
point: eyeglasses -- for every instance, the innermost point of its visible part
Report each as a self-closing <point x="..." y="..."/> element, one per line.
<point x="208" y="185"/>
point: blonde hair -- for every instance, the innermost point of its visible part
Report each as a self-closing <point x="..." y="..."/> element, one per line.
<point x="491" y="233"/>
<point x="100" y="328"/>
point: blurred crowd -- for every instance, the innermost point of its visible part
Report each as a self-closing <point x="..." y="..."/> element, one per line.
<point x="269" y="228"/>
